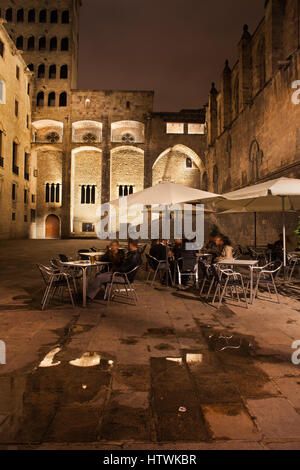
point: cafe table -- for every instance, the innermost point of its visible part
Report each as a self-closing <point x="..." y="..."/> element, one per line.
<point x="84" y="266"/>
<point x="242" y="262"/>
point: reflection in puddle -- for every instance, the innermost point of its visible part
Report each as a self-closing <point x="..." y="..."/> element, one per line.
<point x="175" y="359"/>
<point x="48" y="359"/>
<point x="194" y="358"/>
<point x="88" y="359"/>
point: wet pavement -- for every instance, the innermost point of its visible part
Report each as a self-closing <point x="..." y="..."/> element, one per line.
<point x="170" y="373"/>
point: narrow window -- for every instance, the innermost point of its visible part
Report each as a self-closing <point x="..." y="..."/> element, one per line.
<point x="30" y="67"/>
<point x="15" y="167"/>
<point x="30" y="44"/>
<point x="16" y="108"/>
<point x="20" y="16"/>
<point x="53" y="16"/>
<point x="82" y="194"/>
<point x="25" y="196"/>
<point x="42" y="43"/>
<point x="189" y="163"/>
<point x="64" y="71"/>
<point x="1" y="48"/>
<point x="47" y="195"/>
<point x="52" y="71"/>
<point x="93" y="194"/>
<point x="65" y="17"/>
<point x="17" y="73"/>
<point x="31" y="16"/>
<point x="43" y="16"/>
<point x="63" y="99"/>
<point x="51" y="99"/>
<point x="40" y="99"/>
<point x="57" y="193"/>
<point x="88" y="195"/>
<point x="41" y="71"/>
<point x="53" y="44"/>
<point x="52" y="193"/>
<point x="20" y="43"/>
<point x="13" y="192"/>
<point x="8" y="15"/>
<point x="65" y="44"/>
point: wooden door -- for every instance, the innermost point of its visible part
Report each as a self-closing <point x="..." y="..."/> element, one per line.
<point x="52" y="227"/>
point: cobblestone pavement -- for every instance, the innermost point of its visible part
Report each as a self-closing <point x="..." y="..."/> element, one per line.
<point x="170" y="373"/>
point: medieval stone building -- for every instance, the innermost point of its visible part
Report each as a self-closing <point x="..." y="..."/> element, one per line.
<point x="92" y="146"/>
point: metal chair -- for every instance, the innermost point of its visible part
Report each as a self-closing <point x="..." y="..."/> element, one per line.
<point x="187" y="267"/>
<point x="55" y="280"/>
<point x="125" y="280"/>
<point x="228" y="279"/>
<point x="293" y="261"/>
<point x="208" y="276"/>
<point x="156" y="267"/>
<point x="266" y="276"/>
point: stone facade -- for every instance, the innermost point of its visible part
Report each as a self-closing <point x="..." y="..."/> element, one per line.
<point x="93" y="146"/>
<point x="17" y="166"/>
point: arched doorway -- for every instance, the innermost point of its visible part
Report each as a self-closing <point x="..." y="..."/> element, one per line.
<point x="52" y="227"/>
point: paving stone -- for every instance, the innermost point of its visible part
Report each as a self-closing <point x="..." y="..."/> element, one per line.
<point x="290" y="388"/>
<point x="230" y="422"/>
<point x="276" y="418"/>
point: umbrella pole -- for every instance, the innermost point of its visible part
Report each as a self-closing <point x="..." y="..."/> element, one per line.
<point x="284" y="234"/>
<point x="255" y="230"/>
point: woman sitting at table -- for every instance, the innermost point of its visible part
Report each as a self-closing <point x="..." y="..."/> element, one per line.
<point x="225" y="248"/>
<point x="114" y="255"/>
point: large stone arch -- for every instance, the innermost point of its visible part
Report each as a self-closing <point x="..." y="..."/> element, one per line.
<point x="47" y="131"/>
<point x="174" y="164"/>
<point x="126" y="169"/>
<point x="86" y="175"/>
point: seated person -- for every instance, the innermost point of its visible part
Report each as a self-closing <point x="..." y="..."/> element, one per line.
<point x="159" y="250"/>
<point x="176" y="248"/>
<point x="187" y="260"/>
<point x="225" y="249"/>
<point x="114" y="255"/>
<point x="131" y="261"/>
<point x="277" y="249"/>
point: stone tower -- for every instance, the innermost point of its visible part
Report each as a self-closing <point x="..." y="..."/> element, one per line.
<point x="47" y="33"/>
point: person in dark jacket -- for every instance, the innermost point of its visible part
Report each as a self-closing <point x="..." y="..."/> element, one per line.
<point x="131" y="261"/>
<point x="114" y="256"/>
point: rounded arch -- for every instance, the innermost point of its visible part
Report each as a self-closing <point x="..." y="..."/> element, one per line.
<point x="86" y="148"/>
<point x="185" y="150"/>
<point x="87" y="131"/>
<point x="47" y="130"/>
<point x="127" y="132"/>
<point x="179" y="164"/>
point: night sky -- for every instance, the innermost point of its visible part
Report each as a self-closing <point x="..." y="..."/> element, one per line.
<point x="174" y="47"/>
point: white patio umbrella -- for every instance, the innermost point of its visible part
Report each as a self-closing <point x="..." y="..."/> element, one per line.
<point x="167" y="193"/>
<point x="279" y="195"/>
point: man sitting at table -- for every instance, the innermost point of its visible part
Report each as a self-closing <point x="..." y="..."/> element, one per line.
<point x="131" y="261"/>
<point x="114" y="256"/>
<point x="225" y="249"/>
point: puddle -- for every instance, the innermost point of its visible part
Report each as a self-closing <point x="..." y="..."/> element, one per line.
<point x="48" y="360"/>
<point x="160" y="331"/>
<point x="164" y="347"/>
<point x="88" y="359"/>
<point x="129" y="341"/>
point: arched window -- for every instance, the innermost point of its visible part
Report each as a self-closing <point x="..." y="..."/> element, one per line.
<point x="64" y="71"/>
<point x="20" y="43"/>
<point x="65" y="44"/>
<point x="20" y="15"/>
<point x="93" y="194"/>
<point x="88" y="195"/>
<point x="63" y="99"/>
<point x="42" y="43"/>
<point x="57" y="193"/>
<point x="30" y="43"/>
<point x="261" y="65"/>
<point x="65" y="17"/>
<point x="31" y="16"/>
<point x="52" y="193"/>
<point x="43" y="16"/>
<point x="41" y="71"/>
<point x="8" y="15"/>
<point x="53" y="44"/>
<point x="52" y="71"/>
<point x="53" y="16"/>
<point x="237" y="97"/>
<point x="40" y="99"/>
<point x="82" y="194"/>
<point x="189" y="163"/>
<point x="30" y="67"/>
<point x="216" y="179"/>
<point x="47" y="195"/>
<point x="51" y="99"/>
